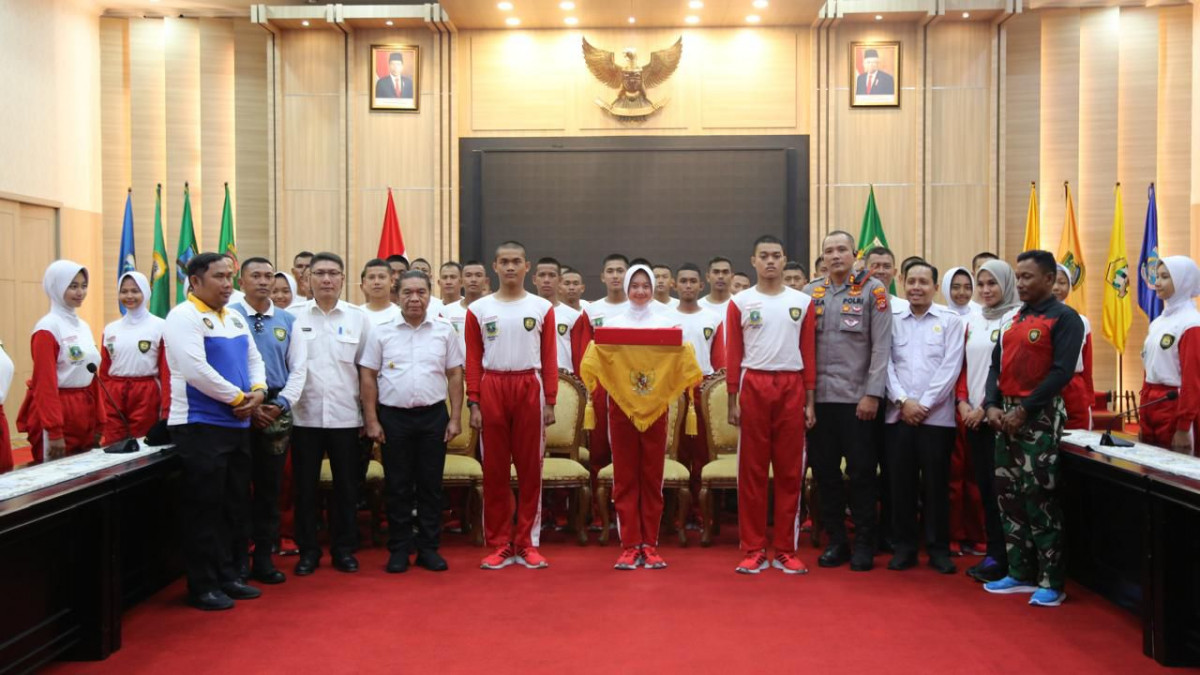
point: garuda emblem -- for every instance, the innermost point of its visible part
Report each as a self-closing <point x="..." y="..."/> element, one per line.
<point x="643" y="383"/>
<point x="632" y="80"/>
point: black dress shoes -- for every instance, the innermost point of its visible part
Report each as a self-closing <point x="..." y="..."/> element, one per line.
<point x="834" y="556"/>
<point x="863" y="560"/>
<point x="345" y="563"/>
<point x="268" y="575"/>
<point x="211" y="601"/>
<point x="307" y="565"/>
<point x="432" y="561"/>
<point x="240" y="591"/>
<point x="902" y="561"/>
<point x="942" y="564"/>
<point x="397" y="562"/>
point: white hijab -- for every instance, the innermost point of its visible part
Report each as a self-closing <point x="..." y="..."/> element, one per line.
<point x="947" y="281"/>
<point x="138" y="314"/>
<point x="638" y="313"/>
<point x="1186" y="277"/>
<point x="55" y="282"/>
<point x="1063" y="268"/>
<point x="291" y="282"/>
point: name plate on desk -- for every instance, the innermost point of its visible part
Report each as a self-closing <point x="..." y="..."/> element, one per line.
<point x="33" y="478"/>
<point x="1150" y="456"/>
<point x="656" y="337"/>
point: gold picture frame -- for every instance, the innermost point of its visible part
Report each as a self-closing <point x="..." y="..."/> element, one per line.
<point x="386" y="77"/>
<point x="874" y="74"/>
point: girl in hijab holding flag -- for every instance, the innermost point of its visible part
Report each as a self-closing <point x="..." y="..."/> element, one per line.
<point x="998" y="294"/>
<point x="966" y="513"/>
<point x="62" y="409"/>
<point x="1171" y="355"/>
<point x="133" y="365"/>
<point x="1079" y="394"/>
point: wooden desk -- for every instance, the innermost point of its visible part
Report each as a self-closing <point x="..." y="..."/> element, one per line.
<point x="76" y="554"/>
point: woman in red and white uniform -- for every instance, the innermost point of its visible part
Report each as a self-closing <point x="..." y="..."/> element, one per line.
<point x="6" y="377"/>
<point x="62" y="409"/>
<point x="133" y="365"/>
<point x="637" y="456"/>
<point x="1079" y="395"/>
<point x="1171" y="355"/>
<point x="966" y="506"/>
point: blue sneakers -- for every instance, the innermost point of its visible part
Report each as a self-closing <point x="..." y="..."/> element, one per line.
<point x="1047" y="597"/>
<point x="1009" y="585"/>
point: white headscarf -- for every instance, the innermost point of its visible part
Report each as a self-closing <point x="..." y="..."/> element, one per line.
<point x="1003" y="273"/>
<point x="1186" y="277"/>
<point x="948" y="281"/>
<point x="634" y="310"/>
<point x="55" y="282"/>
<point x="291" y="282"/>
<point x="1063" y="268"/>
<point x="137" y="314"/>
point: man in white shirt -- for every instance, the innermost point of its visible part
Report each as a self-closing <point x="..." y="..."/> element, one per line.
<point x="927" y="355"/>
<point x="376" y="283"/>
<point x="474" y="281"/>
<point x="327" y="416"/>
<point x="572" y="288"/>
<point x="663" y="283"/>
<point x="719" y="277"/>
<point x="450" y="283"/>
<point x="547" y="280"/>
<point x="409" y="368"/>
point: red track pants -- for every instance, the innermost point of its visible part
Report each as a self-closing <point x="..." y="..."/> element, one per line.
<point x="81" y="421"/>
<point x="771" y="435"/>
<point x="1158" y="421"/>
<point x="637" y="461"/>
<point x="139" y="399"/>
<point x="966" y="507"/>
<point x="513" y="435"/>
<point x="1079" y="401"/>
<point x="6" y="456"/>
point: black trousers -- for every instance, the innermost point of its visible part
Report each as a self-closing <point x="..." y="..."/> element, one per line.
<point x="983" y="454"/>
<point x="918" y="460"/>
<point x="266" y="476"/>
<point x="309" y="447"/>
<point x="215" y="501"/>
<point x="414" y="458"/>
<point x="840" y="434"/>
<point x="885" y="488"/>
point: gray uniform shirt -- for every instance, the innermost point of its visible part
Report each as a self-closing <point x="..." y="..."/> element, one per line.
<point x="854" y="339"/>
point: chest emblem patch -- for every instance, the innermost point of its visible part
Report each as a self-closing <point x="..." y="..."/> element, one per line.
<point x="208" y="323"/>
<point x="75" y="353"/>
<point x="143" y="346"/>
<point x="562" y="329"/>
<point x="1035" y="335"/>
<point x="491" y="329"/>
<point x="280" y="334"/>
<point x="996" y="335"/>
<point x="530" y="323"/>
<point x="795" y="313"/>
<point x="755" y="317"/>
<point x="708" y="333"/>
<point x="236" y="322"/>
<point x="1167" y="341"/>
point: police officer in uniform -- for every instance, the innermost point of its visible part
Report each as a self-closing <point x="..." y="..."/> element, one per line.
<point x="854" y="342"/>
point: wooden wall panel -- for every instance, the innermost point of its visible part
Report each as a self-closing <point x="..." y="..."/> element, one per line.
<point x="252" y="94"/>
<point x="748" y="79"/>
<point x="1021" y="83"/>
<point x="1059" y="111"/>
<point x="81" y="238"/>
<point x="217" y="140"/>
<point x="1174" y="130"/>
<point x="146" y="129"/>
<point x="181" y="41"/>
<point x="505" y="95"/>
<point x="115" y="157"/>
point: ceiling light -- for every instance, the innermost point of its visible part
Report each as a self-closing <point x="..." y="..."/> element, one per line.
<point x="513" y="21"/>
<point x="632" y="20"/>
<point x="304" y="23"/>
<point x="570" y="21"/>
<point x="566" y="6"/>
<point x="966" y="15"/>
<point x="696" y="4"/>
<point x="504" y="6"/>
<point x="389" y="22"/>
<point x="879" y="17"/>
<point x="692" y="19"/>
<point x="753" y="18"/>
<point x="760" y="4"/>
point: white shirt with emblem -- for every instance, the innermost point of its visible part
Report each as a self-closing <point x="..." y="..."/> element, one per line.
<point x="335" y="342"/>
<point x="927" y="356"/>
<point x="511" y="331"/>
<point x="982" y="335"/>
<point x="564" y="322"/>
<point x="721" y="309"/>
<point x="699" y="330"/>
<point x="1160" y="351"/>
<point x="599" y="311"/>
<point x="412" y="362"/>
<point x="133" y="348"/>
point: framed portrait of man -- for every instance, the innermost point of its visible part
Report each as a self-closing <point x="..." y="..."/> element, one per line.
<point x="874" y="74"/>
<point x="395" y="77"/>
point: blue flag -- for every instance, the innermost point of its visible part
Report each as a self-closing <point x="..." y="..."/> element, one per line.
<point x="1148" y="263"/>
<point x="127" y="262"/>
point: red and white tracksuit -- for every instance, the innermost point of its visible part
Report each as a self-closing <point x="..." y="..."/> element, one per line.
<point x="133" y="367"/>
<point x="63" y="400"/>
<point x="511" y="372"/>
<point x="1171" y="355"/>
<point x="705" y="331"/>
<point x="594" y="316"/>
<point x="6" y="377"/>
<point x="771" y="362"/>
<point x="1079" y="396"/>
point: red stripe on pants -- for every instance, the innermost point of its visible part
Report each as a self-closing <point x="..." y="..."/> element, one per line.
<point x="81" y="421"/>
<point x="966" y="506"/>
<point x="637" y="461"/>
<point x="1079" y="401"/>
<point x="6" y="457"/>
<point x="1157" y="422"/>
<point x="511" y="406"/>
<point x="771" y="434"/>
<point x="140" y="401"/>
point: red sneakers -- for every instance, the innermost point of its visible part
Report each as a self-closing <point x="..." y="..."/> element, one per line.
<point x="789" y="563"/>
<point x="753" y="563"/>
<point x="501" y="558"/>
<point x="630" y="559"/>
<point x="651" y="560"/>
<point x="530" y="558"/>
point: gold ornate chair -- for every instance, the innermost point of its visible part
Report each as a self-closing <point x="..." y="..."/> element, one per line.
<point x="463" y="470"/>
<point x="675" y="477"/>
<point x="561" y="468"/>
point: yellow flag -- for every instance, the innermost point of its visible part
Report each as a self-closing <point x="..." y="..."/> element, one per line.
<point x="1070" y="256"/>
<point x="642" y="379"/>
<point x="1033" y="228"/>
<point x="1118" y="304"/>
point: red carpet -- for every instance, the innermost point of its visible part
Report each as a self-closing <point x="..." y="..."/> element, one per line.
<point x="581" y="616"/>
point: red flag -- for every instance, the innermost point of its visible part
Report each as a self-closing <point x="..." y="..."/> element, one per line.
<point x="391" y="242"/>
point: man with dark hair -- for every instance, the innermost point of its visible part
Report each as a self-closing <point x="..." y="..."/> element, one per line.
<point x="881" y="264"/>
<point x="327" y="417"/>
<point x="572" y="288"/>
<point x="450" y="283"/>
<point x="1031" y="364"/>
<point x="376" y="283"/>
<point x="547" y="280"/>
<point x="398" y="265"/>
<point x="719" y="277"/>
<point x="286" y="362"/>
<point x="435" y="303"/>
<point x="795" y="276"/>
<point x="663" y="283"/>
<point x="217" y="383"/>
<point x="820" y="268"/>
<point x="740" y="282"/>
<point x="979" y="259"/>
<point x="473" y="285"/>
<point x="300" y="273"/>
<point x="396" y="85"/>
<point x="854" y="341"/>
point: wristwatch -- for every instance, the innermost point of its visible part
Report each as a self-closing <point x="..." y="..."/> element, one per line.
<point x="471" y="404"/>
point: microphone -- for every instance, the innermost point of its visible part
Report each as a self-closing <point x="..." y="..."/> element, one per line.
<point x="127" y="444"/>
<point x="1108" y="440"/>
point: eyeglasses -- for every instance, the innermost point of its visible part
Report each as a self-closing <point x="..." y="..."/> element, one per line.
<point x="258" y="323"/>
<point x="331" y="274"/>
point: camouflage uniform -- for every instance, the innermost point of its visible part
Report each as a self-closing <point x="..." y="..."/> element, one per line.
<point x="1026" y="481"/>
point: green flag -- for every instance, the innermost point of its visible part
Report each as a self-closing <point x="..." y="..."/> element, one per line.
<point x="227" y="245"/>
<point x="187" y="248"/>
<point x="871" y="234"/>
<point x="160" y="272"/>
